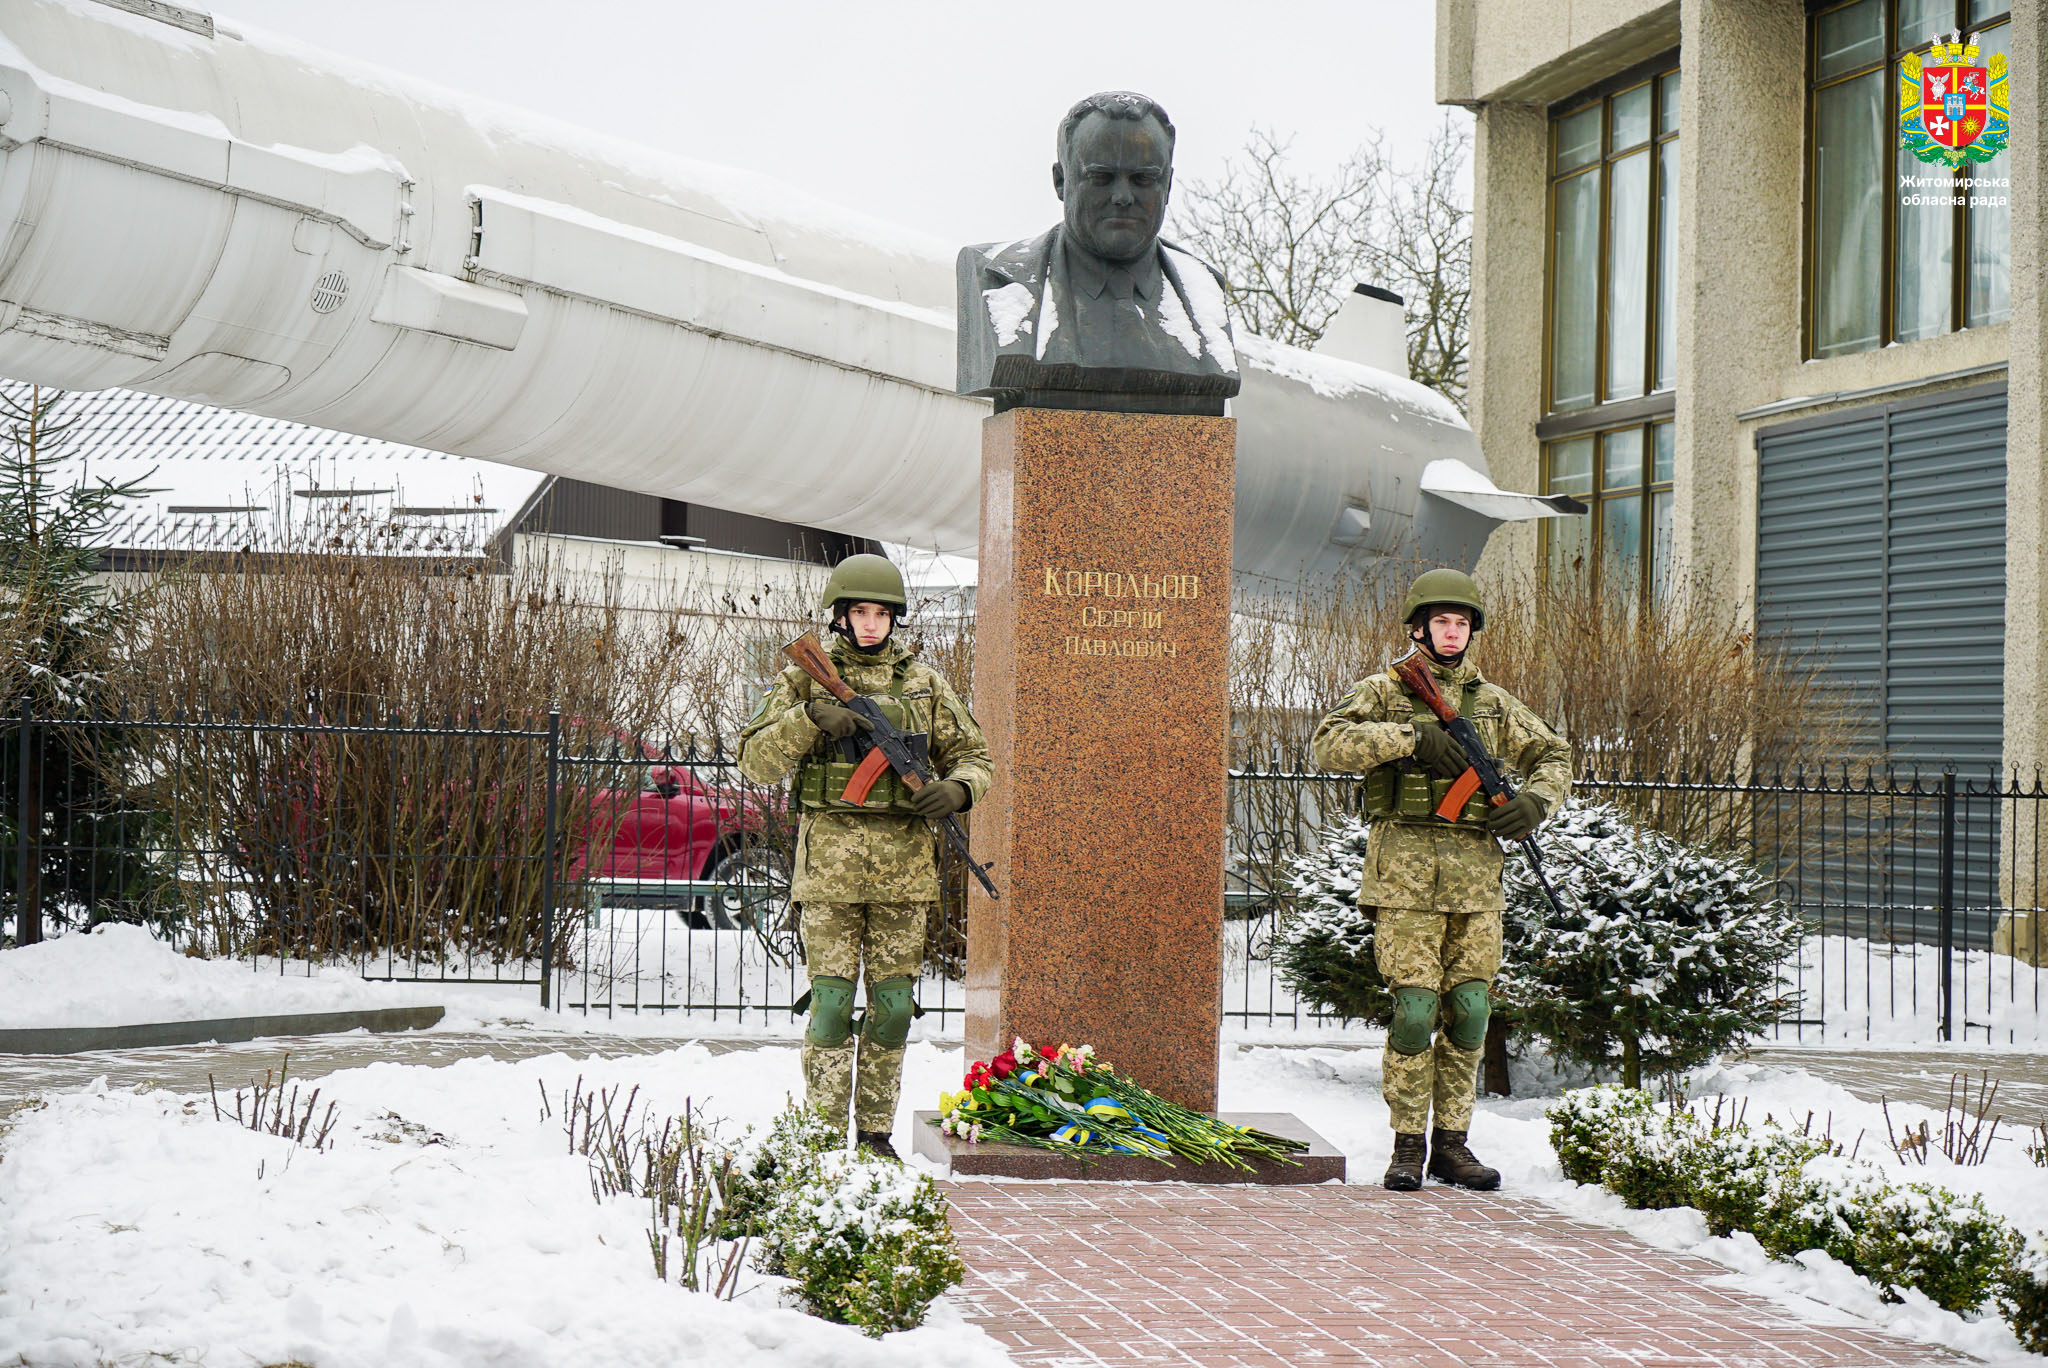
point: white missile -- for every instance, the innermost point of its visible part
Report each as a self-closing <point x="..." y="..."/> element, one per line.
<point x="196" y="208"/>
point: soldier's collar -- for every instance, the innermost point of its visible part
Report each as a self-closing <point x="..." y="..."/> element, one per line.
<point x="893" y="652"/>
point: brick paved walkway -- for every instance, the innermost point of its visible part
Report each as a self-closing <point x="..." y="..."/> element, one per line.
<point x="1089" y="1275"/>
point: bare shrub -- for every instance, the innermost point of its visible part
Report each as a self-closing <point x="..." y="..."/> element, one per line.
<point x="1677" y="691"/>
<point x="313" y="785"/>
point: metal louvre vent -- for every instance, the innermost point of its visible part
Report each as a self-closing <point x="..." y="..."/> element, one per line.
<point x="329" y="291"/>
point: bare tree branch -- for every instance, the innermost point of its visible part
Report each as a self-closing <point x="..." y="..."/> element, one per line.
<point x="1291" y="245"/>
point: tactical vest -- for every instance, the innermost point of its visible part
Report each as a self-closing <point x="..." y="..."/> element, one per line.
<point x="825" y="769"/>
<point x="1403" y="791"/>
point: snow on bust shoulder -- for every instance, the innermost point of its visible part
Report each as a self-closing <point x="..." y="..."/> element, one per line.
<point x="1206" y="302"/>
<point x="120" y="975"/>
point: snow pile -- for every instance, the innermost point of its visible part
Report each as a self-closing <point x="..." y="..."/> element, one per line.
<point x="1890" y="993"/>
<point x="138" y="1226"/>
<point x="1335" y="378"/>
<point x="121" y="975"/>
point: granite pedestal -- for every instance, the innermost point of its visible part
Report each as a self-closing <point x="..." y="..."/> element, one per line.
<point x="1102" y="680"/>
<point x="1319" y="1163"/>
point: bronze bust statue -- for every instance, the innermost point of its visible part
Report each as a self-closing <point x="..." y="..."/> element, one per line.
<point x="1099" y="312"/>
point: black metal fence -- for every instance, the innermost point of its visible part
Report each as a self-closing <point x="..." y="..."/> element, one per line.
<point x="605" y="872"/>
<point x="1921" y="893"/>
<point x="614" y="876"/>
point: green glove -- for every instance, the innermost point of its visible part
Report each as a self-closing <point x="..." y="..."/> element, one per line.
<point x="1515" y="818"/>
<point x="940" y="798"/>
<point x="1438" y="751"/>
<point x="836" y="720"/>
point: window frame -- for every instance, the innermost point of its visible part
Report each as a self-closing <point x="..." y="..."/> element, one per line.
<point x="1649" y="407"/>
<point x="1647" y="488"/>
<point x="1651" y="73"/>
<point x="1888" y="268"/>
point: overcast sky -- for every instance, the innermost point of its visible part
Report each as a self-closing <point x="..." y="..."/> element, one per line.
<point x="930" y="114"/>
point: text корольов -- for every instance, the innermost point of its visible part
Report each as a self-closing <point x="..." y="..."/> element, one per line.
<point x="1158" y="586"/>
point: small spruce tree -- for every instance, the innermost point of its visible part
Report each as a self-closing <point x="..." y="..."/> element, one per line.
<point x="1666" y="954"/>
<point x="1324" y="952"/>
<point x="90" y="856"/>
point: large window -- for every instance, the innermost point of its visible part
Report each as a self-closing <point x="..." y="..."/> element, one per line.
<point x="1614" y="210"/>
<point x="1884" y="265"/>
<point x="1612" y="332"/>
<point x="1624" y="474"/>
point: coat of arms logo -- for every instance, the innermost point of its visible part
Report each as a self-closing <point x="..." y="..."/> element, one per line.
<point x="1951" y="109"/>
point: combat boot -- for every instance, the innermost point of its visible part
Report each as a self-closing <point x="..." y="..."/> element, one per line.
<point x="1453" y="1161"/>
<point x="878" y="1142"/>
<point x="1405" y="1173"/>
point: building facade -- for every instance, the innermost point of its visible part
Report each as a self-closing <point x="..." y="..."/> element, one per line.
<point x="1714" y="296"/>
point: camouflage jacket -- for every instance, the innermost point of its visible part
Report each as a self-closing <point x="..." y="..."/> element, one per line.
<point x="865" y="856"/>
<point x="1439" y="866"/>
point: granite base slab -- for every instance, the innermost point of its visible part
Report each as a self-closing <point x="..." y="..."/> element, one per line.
<point x="1320" y="1163"/>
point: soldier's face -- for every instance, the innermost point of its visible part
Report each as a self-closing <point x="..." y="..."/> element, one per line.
<point x="870" y="622"/>
<point x="1114" y="182"/>
<point x="1449" y="631"/>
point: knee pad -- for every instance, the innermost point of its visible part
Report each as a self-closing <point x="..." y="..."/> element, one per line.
<point x="1414" y="1020"/>
<point x="1466" y="1006"/>
<point x="831" y="1011"/>
<point x="890" y="1007"/>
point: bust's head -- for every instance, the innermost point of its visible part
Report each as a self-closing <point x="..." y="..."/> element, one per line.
<point x="1114" y="173"/>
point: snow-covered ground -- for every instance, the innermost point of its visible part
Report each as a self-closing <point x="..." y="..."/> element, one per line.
<point x="448" y="1224"/>
<point x="1891" y="994"/>
<point x="135" y="1223"/>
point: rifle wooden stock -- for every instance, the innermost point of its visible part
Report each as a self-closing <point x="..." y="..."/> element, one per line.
<point x="807" y="655"/>
<point x="1412" y="672"/>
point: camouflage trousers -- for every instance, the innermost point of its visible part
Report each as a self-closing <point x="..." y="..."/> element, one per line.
<point x="1437" y="951"/>
<point x="840" y="941"/>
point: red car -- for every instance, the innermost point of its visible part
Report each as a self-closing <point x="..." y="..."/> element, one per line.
<point x="654" y="820"/>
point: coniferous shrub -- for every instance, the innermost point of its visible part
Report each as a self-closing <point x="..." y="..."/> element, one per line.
<point x="1795" y="1192"/>
<point x="2023" y="1296"/>
<point x="1665" y="954"/>
<point x="94" y="851"/>
<point x="1325" y="951"/>
<point x="865" y="1239"/>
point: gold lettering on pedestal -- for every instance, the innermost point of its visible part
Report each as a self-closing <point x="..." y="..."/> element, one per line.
<point x="1126" y="650"/>
<point x="1138" y="589"/>
<point x="1138" y="618"/>
<point x="1062" y="582"/>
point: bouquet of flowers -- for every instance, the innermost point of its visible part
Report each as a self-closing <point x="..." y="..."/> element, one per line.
<point x="1067" y="1099"/>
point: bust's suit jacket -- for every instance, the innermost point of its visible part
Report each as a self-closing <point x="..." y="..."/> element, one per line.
<point x="1036" y="315"/>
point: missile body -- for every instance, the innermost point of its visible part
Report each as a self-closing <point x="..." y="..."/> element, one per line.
<point x="215" y="213"/>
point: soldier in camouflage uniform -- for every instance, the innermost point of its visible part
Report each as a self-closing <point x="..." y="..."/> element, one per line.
<point x="867" y="876"/>
<point x="1433" y="887"/>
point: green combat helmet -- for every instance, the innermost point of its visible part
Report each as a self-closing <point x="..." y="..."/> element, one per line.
<point x="1454" y="587"/>
<point x="865" y="579"/>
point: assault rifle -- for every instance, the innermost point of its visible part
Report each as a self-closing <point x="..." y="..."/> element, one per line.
<point x="1483" y="773"/>
<point x="883" y="747"/>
